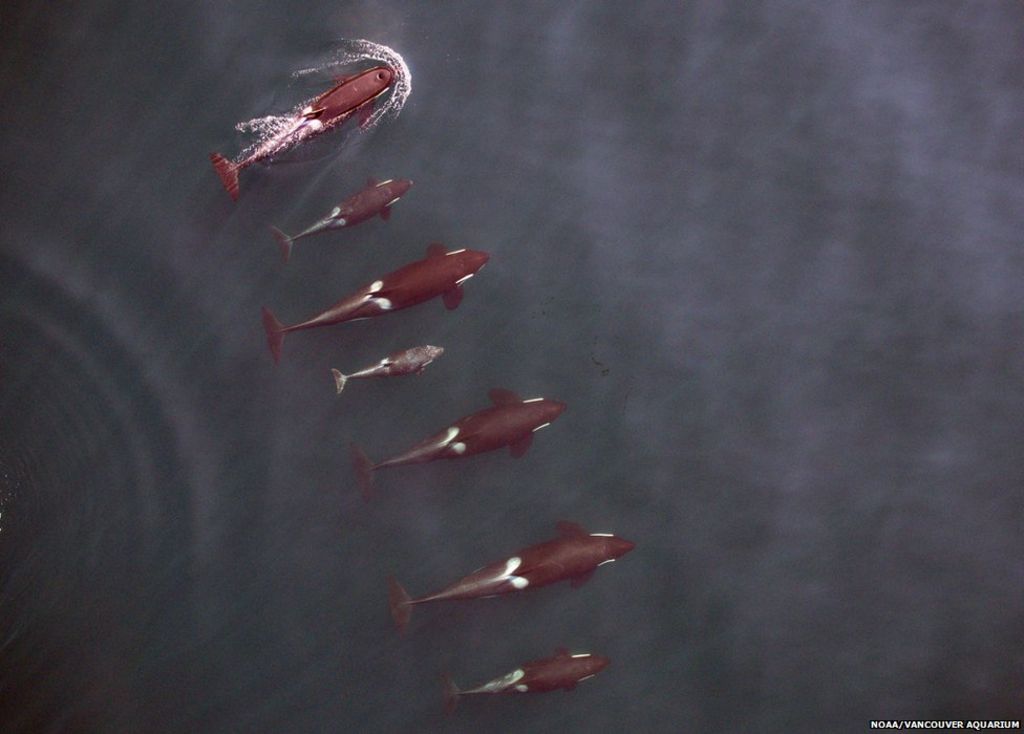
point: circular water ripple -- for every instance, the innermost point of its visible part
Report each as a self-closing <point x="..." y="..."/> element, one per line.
<point x="94" y="508"/>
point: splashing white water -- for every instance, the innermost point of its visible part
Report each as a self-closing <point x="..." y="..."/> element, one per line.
<point x="272" y="129"/>
<point x="352" y="52"/>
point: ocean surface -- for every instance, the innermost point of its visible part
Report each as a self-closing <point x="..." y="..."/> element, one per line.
<point x="769" y="253"/>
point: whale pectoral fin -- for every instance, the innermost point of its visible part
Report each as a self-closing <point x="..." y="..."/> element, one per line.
<point x="570" y="529"/>
<point x="500" y="396"/>
<point x="365" y="112"/>
<point x="521" y="446"/>
<point x="436" y="249"/>
<point x="583" y="578"/>
<point x="313" y="114"/>
<point x="385" y="213"/>
<point x="452" y="298"/>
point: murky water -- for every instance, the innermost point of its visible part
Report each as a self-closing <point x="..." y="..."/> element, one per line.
<point x="770" y="256"/>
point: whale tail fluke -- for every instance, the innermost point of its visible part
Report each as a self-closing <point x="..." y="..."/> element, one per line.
<point x="228" y="173"/>
<point x="400" y="603"/>
<point x="284" y="243"/>
<point x="364" y="471"/>
<point x="339" y="380"/>
<point x="275" y="333"/>
<point x="451" y="692"/>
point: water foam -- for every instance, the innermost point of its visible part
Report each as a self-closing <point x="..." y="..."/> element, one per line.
<point x="337" y="63"/>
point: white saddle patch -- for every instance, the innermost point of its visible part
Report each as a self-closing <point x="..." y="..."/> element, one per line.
<point x="522" y="688"/>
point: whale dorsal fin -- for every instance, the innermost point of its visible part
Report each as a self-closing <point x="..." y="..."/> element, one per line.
<point x="501" y="396"/>
<point x="436" y="249"/>
<point x="571" y="529"/>
<point x="451" y="297"/>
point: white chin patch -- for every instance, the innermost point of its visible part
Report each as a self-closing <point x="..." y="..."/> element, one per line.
<point x="542" y="425"/>
<point x="383" y="304"/>
<point x="459" y="447"/>
<point x="522" y="688"/>
<point x="340" y="222"/>
<point x="519" y="582"/>
<point x="314" y="125"/>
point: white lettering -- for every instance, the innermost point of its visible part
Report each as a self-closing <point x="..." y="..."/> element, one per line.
<point x="934" y="724"/>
